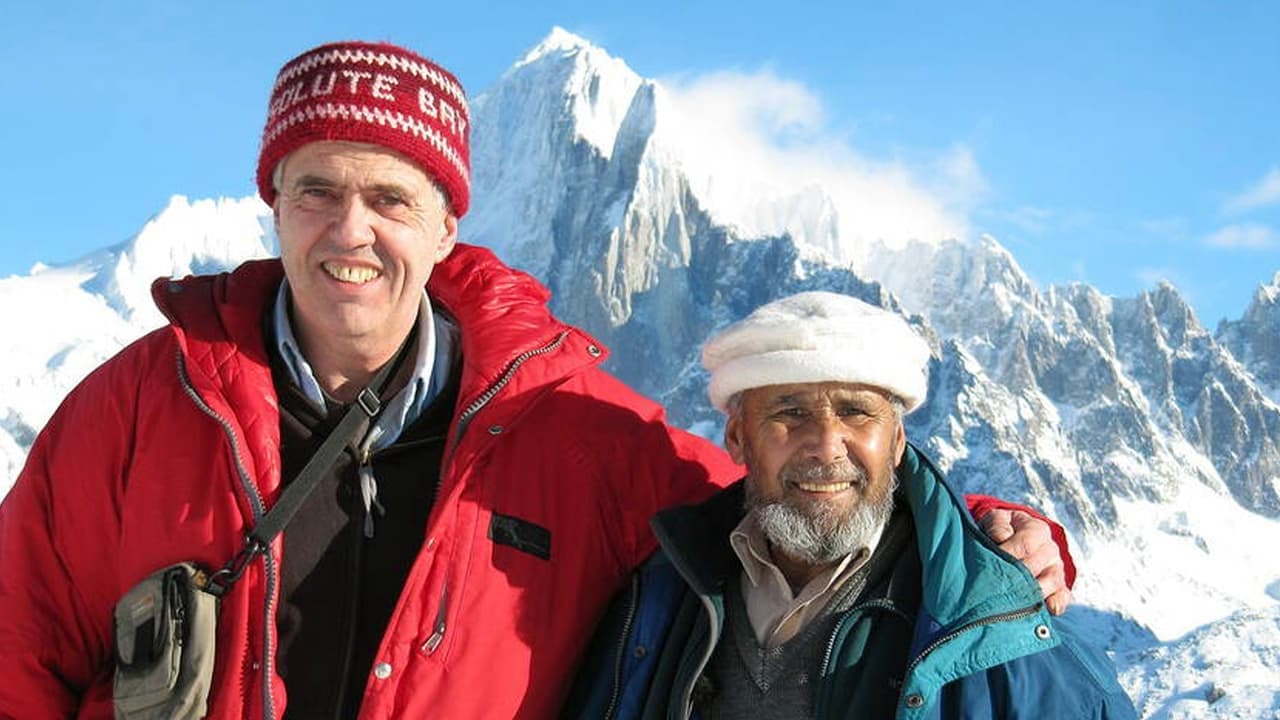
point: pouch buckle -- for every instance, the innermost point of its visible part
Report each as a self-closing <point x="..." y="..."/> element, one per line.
<point x="222" y="579"/>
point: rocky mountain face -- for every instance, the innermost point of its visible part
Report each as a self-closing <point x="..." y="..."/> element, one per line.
<point x="1255" y="340"/>
<point x="1156" y="442"/>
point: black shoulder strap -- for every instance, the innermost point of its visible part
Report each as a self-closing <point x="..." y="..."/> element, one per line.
<point x="352" y="425"/>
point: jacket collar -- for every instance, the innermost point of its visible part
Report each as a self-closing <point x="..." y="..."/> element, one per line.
<point x="501" y="312"/>
<point x="220" y="313"/>
<point x="696" y="539"/>
<point x="965" y="576"/>
<point x="978" y="607"/>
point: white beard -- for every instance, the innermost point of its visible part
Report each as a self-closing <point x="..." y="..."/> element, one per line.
<point x="817" y="533"/>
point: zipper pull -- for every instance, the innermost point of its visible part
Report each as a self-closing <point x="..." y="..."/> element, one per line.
<point x="437" y="635"/>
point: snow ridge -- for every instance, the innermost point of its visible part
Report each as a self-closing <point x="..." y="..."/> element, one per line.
<point x="93" y="306"/>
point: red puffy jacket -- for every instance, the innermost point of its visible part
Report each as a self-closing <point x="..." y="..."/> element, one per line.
<point x="170" y="451"/>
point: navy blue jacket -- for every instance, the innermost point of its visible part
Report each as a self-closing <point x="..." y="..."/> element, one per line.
<point x="948" y="626"/>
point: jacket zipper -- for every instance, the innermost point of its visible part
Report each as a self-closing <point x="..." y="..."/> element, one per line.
<point x="879" y="603"/>
<point x="686" y="701"/>
<point x="633" y="601"/>
<point x="981" y="622"/>
<point x="432" y="643"/>
<point x="465" y="416"/>
<point x="437" y="633"/>
<point x="258" y="507"/>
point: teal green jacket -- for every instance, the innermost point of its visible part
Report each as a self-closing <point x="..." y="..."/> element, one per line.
<point x="949" y="626"/>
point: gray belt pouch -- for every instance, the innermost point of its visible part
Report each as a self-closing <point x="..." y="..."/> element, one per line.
<point x="164" y="630"/>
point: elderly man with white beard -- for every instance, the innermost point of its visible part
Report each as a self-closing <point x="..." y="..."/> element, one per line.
<point x="842" y="577"/>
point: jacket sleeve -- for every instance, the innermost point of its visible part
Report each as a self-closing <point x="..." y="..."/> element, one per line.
<point x="690" y="470"/>
<point x="651" y="465"/>
<point x="980" y="505"/>
<point x="58" y="529"/>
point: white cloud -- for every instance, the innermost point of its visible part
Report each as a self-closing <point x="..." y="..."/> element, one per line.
<point x="1263" y="193"/>
<point x="1248" y="235"/>
<point x="760" y="154"/>
<point x="957" y="179"/>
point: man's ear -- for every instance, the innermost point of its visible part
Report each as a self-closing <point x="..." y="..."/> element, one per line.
<point x="734" y="441"/>
<point x="450" y="238"/>
<point x="899" y="443"/>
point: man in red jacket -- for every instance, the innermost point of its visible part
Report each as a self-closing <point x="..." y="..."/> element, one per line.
<point x="453" y="560"/>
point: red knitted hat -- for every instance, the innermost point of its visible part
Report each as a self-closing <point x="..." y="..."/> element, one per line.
<point x="372" y="93"/>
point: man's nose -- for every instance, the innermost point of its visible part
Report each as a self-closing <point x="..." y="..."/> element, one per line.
<point x="352" y="225"/>
<point x="829" y="440"/>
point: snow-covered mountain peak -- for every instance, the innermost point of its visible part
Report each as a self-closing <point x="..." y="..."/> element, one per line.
<point x="932" y="277"/>
<point x="558" y="41"/>
<point x="548" y="132"/>
<point x="593" y="88"/>
<point x="92" y="306"/>
<point x="1171" y="311"/>
<point x="186" y="237"/>
<point x="1269" y="293"/>
<point x="748" y="149"/>
<point x="1254" y="339"/>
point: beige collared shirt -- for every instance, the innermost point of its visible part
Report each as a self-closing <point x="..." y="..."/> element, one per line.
<point x="777" y="614"/>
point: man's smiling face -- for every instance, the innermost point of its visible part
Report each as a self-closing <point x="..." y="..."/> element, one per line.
<point x="361" y="228"/>
<point x="821" y="459"/>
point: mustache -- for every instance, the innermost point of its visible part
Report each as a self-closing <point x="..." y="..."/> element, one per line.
<point x="813" y="471"/>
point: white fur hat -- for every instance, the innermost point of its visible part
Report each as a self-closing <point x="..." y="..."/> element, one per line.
<point x="818" y="337"/>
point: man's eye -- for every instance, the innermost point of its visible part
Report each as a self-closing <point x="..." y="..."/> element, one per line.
<point x="791" y="412"/>
<point x="391" y="200"/>
<point x="316" y="193"/>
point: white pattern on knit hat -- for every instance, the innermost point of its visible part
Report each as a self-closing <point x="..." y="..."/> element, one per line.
<point x="818" y="337"/>
<point x="373" y="115"/>
<point x="307" y="63"/>
<point x="371" y="93"/>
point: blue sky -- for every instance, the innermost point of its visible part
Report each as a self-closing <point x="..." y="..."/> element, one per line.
<point x="1114" y="143"/>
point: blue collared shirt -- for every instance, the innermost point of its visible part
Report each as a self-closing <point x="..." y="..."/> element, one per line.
<point x="437" y="337"/>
